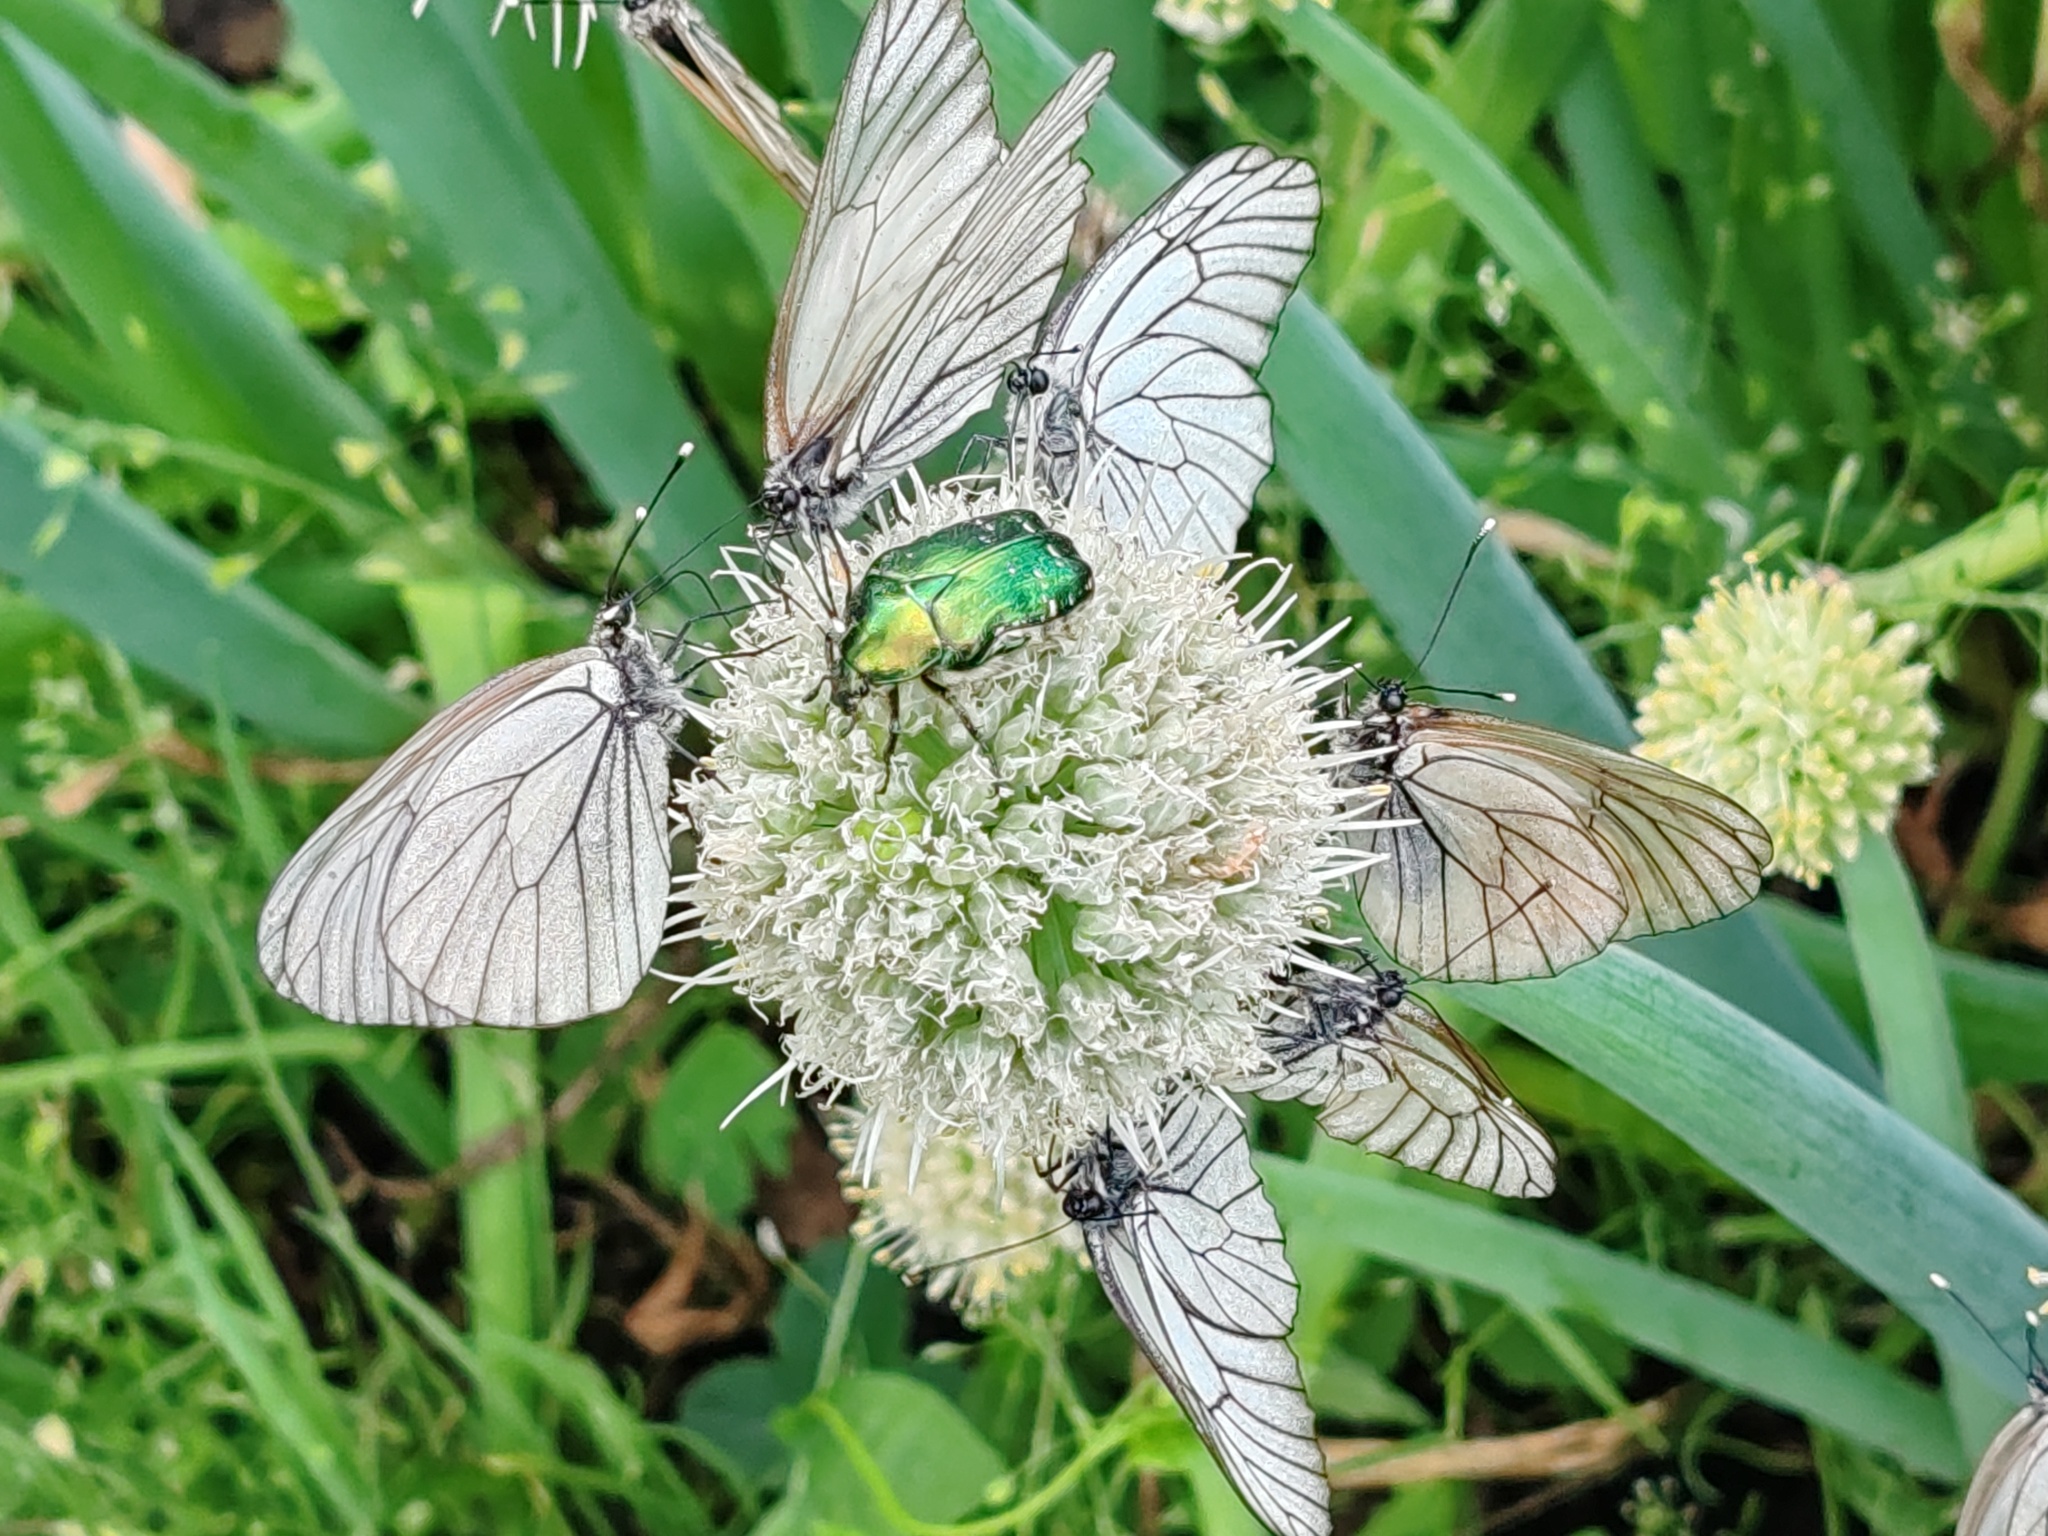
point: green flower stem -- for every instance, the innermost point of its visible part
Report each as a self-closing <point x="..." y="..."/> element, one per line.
<point x="507" y="1247"/>
<point x="1993" y="550"/>
<point x="467" y="631"/>
<point x="2016" y="769"/>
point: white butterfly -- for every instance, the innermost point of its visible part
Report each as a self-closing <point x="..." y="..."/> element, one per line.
<point x="1390" y="1075"/>
<point x="1517" y="851"/>
<point x="928" y="255"/>
<point x="2008" y="1494"/>
<point x="509" y="864"/>
<point x="1189" y="1253"/>
<point x="1143" y="375"/>
<point x="676" y="35"/>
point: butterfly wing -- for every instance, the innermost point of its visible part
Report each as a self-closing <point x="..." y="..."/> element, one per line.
<point x="1684" y="854"/>
<point x="914" y="136"/>
<point x="508" y="865"/>
<point x="991" y="290"/>
<point x="1194" y="1266"/>
<point x="928" y="254"/>
<point x="1435" y="1104"/>
<point x="1495" y="876"/>
<point x="1152" y="355"/>
<point x="2009" y="1493"/>
<point x="676" y="35"/>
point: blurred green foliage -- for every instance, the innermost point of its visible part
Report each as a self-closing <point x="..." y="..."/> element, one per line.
<point x="322" y="398"/>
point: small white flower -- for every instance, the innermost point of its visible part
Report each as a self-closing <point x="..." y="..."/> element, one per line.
<point x="1032" y="942"/>
<point x="1212" y="22"/>
<point x="971" y="1228"/>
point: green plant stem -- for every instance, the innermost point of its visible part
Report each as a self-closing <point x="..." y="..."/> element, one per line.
<point x="506" y="1237"/>
<point x="174" y="1058"/>
<point x="1997" y="547"/>
<point x="839" y="1323"/>
<point x="2016" y="768"/>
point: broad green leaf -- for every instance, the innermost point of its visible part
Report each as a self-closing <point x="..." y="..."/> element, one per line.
<point x="196" y="348"/>
<point x="113" y="568"/>
<point x="1873" y="1189"/>
<point x="1540" y="1270"/>
<point x="433" y="95"/>
<point x="685" y="1146"/>
<point x="877" y="1432"/>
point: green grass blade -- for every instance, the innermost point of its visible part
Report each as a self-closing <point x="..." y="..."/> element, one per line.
<point x="1507" y="64"/>
<point x="1675" y="440"/>
<point x="1915" y="1040"/>
<point x="1654" y="292"/>
<point x="1997" y="1008"/>
<point x="260" y="172"/>
<point x="111" y="566"/>
<point x="1402" y="521"/>
<point x="1878" y="186"/>
<point x="430" y="95"/>
<point x="1540" y="1270"/>
<point x="190" y="338"/>
<point x="1869" y="1186"/>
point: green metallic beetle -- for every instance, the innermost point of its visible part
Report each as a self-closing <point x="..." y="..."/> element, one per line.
<point x="952" y="599"/>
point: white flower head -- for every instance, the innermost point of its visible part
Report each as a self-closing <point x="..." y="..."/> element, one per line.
<point x="970" y="1227"/>
<point x="1787" y="697"/>
<point x="1034" y="940"/>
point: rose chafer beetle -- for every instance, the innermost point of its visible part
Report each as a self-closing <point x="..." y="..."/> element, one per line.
<point x="949" y="601"/>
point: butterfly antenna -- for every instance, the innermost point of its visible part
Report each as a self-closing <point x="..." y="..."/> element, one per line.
<point x="1502" y="695"/>
<point x="640" y="516"/>
<point x="1471" y="554"/>
<point x="924" y="1273"/>
<point x="1940" y="1283"/>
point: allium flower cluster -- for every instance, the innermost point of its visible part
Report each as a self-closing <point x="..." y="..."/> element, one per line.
<point x="969" y="1225"/>
<point x="1784" y="695"/>
<point x="1023" y="942"/>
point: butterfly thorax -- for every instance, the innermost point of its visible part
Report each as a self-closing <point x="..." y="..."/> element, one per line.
<point x="1100" y="1181"/>
<point x="1349" y="1008"/>
<point x="1383" y="729"/>
<point x="648" y="690"/>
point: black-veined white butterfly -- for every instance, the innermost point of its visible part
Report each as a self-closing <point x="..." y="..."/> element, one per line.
<point x="1385" y="1071"/>
<point x="1143" y="376"/>
<point x="1517" y="851"/>
<point x="2008" y="1493"/>
<point x="928" y="256"/>
<point x="509" y="864"/>
<point x="676" y="35"/>
<point x="1188" y="1250"/>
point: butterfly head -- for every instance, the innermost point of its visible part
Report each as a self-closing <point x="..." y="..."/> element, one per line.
<point x="615" y="621"/>
<point x="1026" y="379"/>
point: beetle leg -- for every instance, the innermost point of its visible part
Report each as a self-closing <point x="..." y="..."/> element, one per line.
<point x="895" y="733"/>
<point x="953" y="704"/>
